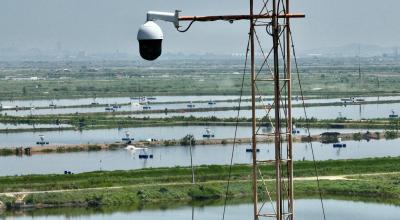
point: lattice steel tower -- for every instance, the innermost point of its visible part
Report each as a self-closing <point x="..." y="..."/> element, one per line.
<point x="280" y="79"/>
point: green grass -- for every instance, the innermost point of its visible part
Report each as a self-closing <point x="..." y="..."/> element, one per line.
<point x="183" y="174"/>
<point x="174" y="184"/>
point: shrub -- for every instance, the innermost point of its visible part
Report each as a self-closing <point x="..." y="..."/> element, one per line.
<point x="391" y="134"/>
<point x="357" y="136"/>
<point x="188" y="140"/>
<point x="203" y="193"/>
<point x="94" y="148"/>
<point x="7" y="152"/>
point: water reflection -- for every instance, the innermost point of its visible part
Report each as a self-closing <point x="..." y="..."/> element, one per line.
<point x="305" y="209"/>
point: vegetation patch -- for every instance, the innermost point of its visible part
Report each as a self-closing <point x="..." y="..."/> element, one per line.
<point x="391" y="134"/>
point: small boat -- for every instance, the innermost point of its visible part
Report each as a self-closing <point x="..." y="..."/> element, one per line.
<point x="130" y="147"/>
<point x="250" y="150"/>
<point x="393" y="115"/>
<point x="94" y="102"/>
<point x="351" y="99"/>
<point x="52" y="105"/>
<point x="127" y="138"/>
<point x="109" y="108"/>
<point x="42" y="141"/>
<point x="339" y="145"/>
<point x="212" y="102"/>
<point x="295" y="130"/>
<point x="151" y="140"/>
<point x="146" y="107"/>
<point x="144" y="155"/>
<point x="208" y="133"/>
<point x="191" y="105"/>
<point x="116" y="106"/>
<point x="133" y="148"/>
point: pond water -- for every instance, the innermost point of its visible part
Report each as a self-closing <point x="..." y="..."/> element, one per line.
<point x="100" y="136"/>
<point x="180" y="156"/>
<point x="328" y="112"/>
<point x="305" y="209"/>
<point x="355" y="112"/>
<point x="112" y="100"/>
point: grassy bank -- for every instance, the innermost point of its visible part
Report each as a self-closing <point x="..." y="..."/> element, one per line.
<point x="168" y="184"/>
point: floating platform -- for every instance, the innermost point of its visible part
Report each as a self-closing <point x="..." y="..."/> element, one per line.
<point x="110" y="109"/>
<point x="145" y="156"/>
<point x="249" y="150"/>
<point x="208" y="135"/>
<point x="339" y="145"/>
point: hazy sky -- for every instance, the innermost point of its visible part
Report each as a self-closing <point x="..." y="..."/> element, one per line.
<point x="110" y="25"/>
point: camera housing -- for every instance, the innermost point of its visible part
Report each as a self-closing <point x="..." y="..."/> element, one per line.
<point x="150" y="35"/>
<point x="150" y="38"/>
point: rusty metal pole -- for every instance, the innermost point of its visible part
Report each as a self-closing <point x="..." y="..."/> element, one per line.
<point x="253" y="111"/>
<point x="289" y="112"/>
<point x="275" y="36"/>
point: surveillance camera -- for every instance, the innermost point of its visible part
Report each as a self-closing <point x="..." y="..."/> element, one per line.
<point x="150" y="38"/>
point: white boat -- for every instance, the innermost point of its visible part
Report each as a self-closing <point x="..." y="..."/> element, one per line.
<point x="134" y="148"/>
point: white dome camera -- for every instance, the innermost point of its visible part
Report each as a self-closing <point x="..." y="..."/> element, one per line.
<point x="150" y="38"/>
<point x="150" y="35"/>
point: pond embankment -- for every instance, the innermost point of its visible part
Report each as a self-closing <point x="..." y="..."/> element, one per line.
<point x="328" y="137"/>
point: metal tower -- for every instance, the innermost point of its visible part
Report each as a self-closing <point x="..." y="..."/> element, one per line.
<point x="279" y="77"/>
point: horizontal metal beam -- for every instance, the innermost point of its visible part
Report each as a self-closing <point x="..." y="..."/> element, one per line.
<point x="237" y="17"/>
